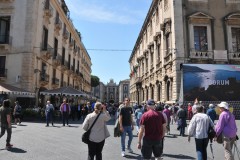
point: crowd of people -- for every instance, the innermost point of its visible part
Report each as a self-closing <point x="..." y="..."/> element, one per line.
<point x="153" y="122"/>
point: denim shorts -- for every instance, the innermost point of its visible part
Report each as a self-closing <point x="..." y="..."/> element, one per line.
<point x="151" y="146"/>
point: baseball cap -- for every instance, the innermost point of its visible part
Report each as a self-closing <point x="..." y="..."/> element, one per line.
<point x="223" y="105"/>
<point x="150" y="102"/>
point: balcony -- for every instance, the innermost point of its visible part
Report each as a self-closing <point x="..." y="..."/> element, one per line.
<point x="65" y="35"/>
<point x="46" y="52"/>
<point x="5" y="41"/>
<point x="3" y="73"/>
<point x="64" y="66"/>
<point x="75" y="50"/>
<point x="71" y="44"/>
<point x="44" y="79"/>
<point x="55" y="82"/>
<point x="48" y="11"/>
<point x="57" y="60"/>
<point x="201" y="55"/>
<point x="168" y="59"/>
<point x="57" y="26"/>
<point x="234" y="56"/>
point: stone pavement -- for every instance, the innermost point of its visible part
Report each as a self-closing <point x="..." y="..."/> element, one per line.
<point x="34" y="141"/>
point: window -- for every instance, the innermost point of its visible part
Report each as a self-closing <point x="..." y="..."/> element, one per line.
<point x="4" y="30"/>
<point x="158" y="52"/>
<point x="157" y="17"/>
<point x="2" y="66"/>
<point x="45" y="39"/>
<point x="55" y="48"/>
<point x="236" y="39"/>
<point x="63" y="55"/>
<point x="167" y="44"/>
<point x="69" y="61"/>
<point x="200" y="38"/>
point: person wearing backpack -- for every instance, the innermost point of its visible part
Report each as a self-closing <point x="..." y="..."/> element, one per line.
<point x="17" y="113"/>
<point x="138" y="115"/>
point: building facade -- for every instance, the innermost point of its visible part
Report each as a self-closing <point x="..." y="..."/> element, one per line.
<point x="40" y="48"/>
<point x="112" y="92"/>
<point x="124" y="89"/>
<point x="177" y="32"/>
<point x="99" y="92"/>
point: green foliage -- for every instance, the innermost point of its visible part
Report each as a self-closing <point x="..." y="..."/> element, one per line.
<point x="94" y="81"/>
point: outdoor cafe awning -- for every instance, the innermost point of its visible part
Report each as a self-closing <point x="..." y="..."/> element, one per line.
<point x="64" y="91"/>
<point x="12" y="90"/>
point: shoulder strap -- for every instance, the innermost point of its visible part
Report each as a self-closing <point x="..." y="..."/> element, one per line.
<point x="94" y="122"/>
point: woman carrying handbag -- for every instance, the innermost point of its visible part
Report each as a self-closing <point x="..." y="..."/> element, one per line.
<point x="99" y="131"/>
<point x="227" y="128"/>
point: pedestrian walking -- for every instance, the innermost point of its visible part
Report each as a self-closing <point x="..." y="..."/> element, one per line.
<point x="190" y="113"/>
<point x="79" y="112"/>
<point x="49" y="111"/>
<point x="99" y="131"/>
<point x="211" y="112"/>
<point x="198" y="128"/>
<point x="226" y="126"/>
<point x="168" y="113"/>
<point x="151" y="132"/>
<point x="5" y="113"/>
<point x="126" y="125"/>
<point x="182" y="117"/>
<point x="17" y="113"/>
<point x="138" y="115"/>
<point x="65" y="111"/>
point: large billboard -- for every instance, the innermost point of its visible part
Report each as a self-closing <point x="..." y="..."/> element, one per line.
<point x="211" y="82"/>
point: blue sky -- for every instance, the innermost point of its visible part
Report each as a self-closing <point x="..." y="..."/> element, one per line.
<point x="109" y="25"/>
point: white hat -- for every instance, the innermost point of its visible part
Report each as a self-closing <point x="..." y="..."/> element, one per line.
<point x="223" y="105"/>
<point x="211" y="105"/>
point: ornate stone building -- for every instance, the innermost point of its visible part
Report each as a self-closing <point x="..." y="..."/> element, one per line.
<point x="99" y="92"/>
<point x="177" y="32"/>
<point x="40" y="48"/>
<point x="111" y="92"/>
<point x="123" y="89"/>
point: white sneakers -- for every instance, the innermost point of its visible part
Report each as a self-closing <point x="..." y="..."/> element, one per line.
<point x="123" y="154"/>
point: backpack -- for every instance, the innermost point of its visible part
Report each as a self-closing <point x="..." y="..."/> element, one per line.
<point x="18" y="109"/>
<point x="139" y="114"/>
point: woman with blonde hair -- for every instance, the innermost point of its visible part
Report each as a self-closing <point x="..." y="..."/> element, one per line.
<point x="99" y="131"/>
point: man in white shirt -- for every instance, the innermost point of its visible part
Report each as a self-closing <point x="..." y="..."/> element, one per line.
<point x="198" y="128"/>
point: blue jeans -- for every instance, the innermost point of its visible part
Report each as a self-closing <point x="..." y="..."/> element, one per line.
<point x="201" y="148"/>
<point x="127" y="129"/>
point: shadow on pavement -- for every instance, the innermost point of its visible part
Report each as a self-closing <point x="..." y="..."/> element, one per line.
<point x="22" y="125"/>
<point x="171" y="136"/>
<point x="133" y="156"/>
<point x="73" y="126"/>
<point x="16" y="150"/>
<point x="179" y="156"/>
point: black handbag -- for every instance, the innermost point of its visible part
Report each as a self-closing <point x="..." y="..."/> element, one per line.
<point x="211" y="132"/>
<point x="85" y="136"/>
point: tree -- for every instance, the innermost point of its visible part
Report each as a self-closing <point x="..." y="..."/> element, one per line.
<point x="94" y="81"/>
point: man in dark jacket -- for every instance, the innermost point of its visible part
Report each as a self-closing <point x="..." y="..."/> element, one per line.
<point x="5" y="113"/>
<point x="182" y="116"/>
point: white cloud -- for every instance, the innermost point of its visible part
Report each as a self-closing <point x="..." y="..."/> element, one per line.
<point x="103" y="13"/>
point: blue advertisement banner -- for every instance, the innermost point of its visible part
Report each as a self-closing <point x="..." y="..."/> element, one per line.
<point x="211" y="82"/>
